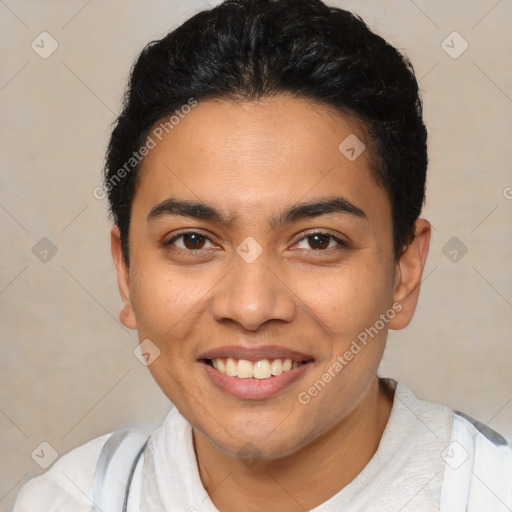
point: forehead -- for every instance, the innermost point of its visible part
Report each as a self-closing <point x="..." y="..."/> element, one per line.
<point x="253" y="156"/>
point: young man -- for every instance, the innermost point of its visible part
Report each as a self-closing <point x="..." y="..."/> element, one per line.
<point x="266" y="177"/>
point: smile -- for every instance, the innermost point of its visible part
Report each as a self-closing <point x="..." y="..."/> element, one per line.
<point x="245" y="369"/>
<point x="254" y="372"/>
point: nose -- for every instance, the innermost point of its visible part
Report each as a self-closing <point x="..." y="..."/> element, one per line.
<point x="252" y="294"/>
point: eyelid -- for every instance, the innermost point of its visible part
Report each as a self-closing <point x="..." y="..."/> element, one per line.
<point x="169" y="242"/>
<point x="337" y="238"/>
<point x="339" y="241"/>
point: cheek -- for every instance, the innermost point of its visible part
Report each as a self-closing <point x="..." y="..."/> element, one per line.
<point x="350" y="298"/>
<point x="166" y="301"/>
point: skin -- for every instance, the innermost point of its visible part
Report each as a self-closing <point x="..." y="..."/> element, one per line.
<point x="252" y="160"/>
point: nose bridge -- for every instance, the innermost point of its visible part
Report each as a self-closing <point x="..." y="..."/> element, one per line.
<point x="251" y="293"/>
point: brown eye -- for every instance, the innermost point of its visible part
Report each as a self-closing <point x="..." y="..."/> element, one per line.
<point x="190" y="241"/>
<point x="320" y="241"/>
<point x="193" y="241"/>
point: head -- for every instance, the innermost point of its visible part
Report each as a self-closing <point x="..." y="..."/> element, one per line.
<point x="265" y="179"/>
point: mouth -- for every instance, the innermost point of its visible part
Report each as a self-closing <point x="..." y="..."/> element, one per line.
<point x="256" y="373"/>
<point x="260" y="369"/>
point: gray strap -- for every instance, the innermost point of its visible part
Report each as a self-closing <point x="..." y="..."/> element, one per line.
<point x="488" y="432"/>
<point x="114" y="471"/>
<point x="130" y="477"/>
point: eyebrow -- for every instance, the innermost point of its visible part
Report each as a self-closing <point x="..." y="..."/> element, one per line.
<point x="294" y="213"/>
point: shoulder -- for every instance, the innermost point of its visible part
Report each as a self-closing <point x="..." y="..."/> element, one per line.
<point x="476" y="461"/>
<point x="478" y="430"/>
<point x="67" y="485"/>
<point x="487" y="448"/>
<point x="491" y="449"/>
<point x="478" y="466"/>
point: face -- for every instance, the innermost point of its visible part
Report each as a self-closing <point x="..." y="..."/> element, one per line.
<point x="256" y="245"/>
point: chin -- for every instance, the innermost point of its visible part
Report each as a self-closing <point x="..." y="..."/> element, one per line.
<point x="244" y="438"/>
<point x="252" y="449"/>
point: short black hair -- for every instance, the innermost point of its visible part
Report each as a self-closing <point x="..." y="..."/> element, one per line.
<point x="245" y="50"/>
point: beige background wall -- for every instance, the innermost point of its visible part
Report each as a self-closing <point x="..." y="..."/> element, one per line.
<point x="67" y="371"/>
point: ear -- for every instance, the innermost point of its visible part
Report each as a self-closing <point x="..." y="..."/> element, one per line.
<point x="409" y="270"/>
<point x="127" y="314"/>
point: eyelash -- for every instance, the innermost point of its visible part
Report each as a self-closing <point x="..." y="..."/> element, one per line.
<point x="341" y="244"/>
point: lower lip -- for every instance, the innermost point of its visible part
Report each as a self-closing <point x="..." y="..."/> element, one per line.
<point x="254" y="389"/>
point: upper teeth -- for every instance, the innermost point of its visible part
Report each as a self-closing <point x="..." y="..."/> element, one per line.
<point x="244" y="369"/>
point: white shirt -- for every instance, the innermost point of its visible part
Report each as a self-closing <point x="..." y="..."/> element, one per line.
<point x="427" y="458"/>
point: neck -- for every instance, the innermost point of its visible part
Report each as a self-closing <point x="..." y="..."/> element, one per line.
<point x="303" y="480"/>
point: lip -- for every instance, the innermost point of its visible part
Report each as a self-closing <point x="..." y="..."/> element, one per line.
<point x="255" y="353"/>
<point x="254" y="389"/>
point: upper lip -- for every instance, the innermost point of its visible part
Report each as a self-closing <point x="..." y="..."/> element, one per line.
<point x="255" y="353"/>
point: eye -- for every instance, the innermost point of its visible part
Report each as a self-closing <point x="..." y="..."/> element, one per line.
<point x="320" y="241"/>
<point x="190" y="241"/>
